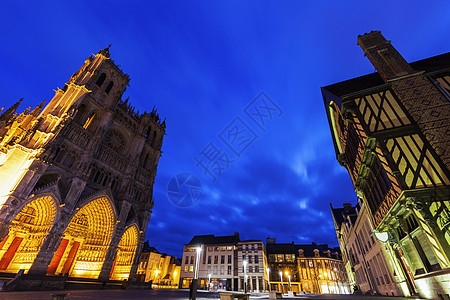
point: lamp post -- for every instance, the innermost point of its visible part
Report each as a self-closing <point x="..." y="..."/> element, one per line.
<point x="281" y="278"/>
<point x="245" y="276"/>
<point x="209" y="281"/>
<point x="268" y="277"/>
<point x="195" y="281"/>
<point x="290" y="287"/>
<point x="174" y="276"/>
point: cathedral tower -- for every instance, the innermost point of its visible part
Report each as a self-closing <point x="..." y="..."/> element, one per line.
<point x="76" y="178"/>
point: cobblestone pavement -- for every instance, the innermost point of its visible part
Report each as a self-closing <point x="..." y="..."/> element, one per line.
<point x="158" y="294"/>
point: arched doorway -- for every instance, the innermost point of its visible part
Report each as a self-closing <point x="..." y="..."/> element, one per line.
<point x="125" y="254"/>
<point x="29" y="228"/>
<point x="82" y="250"/>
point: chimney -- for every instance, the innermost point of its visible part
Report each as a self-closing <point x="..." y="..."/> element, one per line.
<point x="347" y="207"/>
<point x="383" y="56"/>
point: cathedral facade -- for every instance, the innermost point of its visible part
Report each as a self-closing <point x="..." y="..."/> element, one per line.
<point x="76" y="178"/>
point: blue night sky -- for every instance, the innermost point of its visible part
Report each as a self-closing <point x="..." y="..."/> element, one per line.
<point x="201" y="63"/>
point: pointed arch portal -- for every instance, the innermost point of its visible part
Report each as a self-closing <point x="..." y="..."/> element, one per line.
<point x="31" y="225"/>
<point x="125" y="254"/>
<point x="82" y="251"/>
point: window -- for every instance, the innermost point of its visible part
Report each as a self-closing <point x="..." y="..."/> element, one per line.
<point x="209" y="259"/>
<point x="208" y="270"/>
<point x="256" y="269"/>
<point x="191" y="268"/>
<point x="80" y="112"/>
<point x="216" y="259"/>
<point x="186" y="261"/>
<point x="243" y="247"/>
<point x="249" y="259"/>
<point x="250" y="269"/>
<point x="89" y="121"/>
<point x="215" y="270"/>
<point x="109" y="87"/>
<point x="221" y="270"/>
<point x="255" y="247"/>
<point x="152" y="142"/>
<point x="101" y="79"/>
<point x="222" y="259"/>
<point x="290" y="258"/>
<point x="256" y="259"/>
<point x="229" y="259"/>
<point x="185" y="268"/>
<point x="279" y="257"/>
<point x="229" y="270"/>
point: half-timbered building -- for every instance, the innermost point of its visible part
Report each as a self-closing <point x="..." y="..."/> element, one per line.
<point x="391" y="131"/>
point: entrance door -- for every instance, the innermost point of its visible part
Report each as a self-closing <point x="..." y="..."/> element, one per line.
<point x="8" y="256"/>
<point x="71" y="257"/>
<point x="57" y="257"/>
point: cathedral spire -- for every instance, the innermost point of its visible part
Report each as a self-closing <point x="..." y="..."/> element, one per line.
<point x="37" y="110"/>
<point x="10" y="111"/>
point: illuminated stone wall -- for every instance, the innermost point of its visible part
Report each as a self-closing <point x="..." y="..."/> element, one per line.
<point x="76" y="178"/>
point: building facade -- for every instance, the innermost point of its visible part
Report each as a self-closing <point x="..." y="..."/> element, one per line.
<point x="253" y="253"/>
<point x="306" y="268"/>
<point x="77" y="177"/>
<point x="390" y="131"/>
<point x="161" y="269"/>
<point x="221" y="264"/>
<point x="367" y="261"/>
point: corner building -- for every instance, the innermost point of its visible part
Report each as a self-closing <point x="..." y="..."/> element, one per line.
<point x="76" y="178"/>
<point x="365" y="258"/>
<point x="312" y="268"/>
<point x="391" y="132"/>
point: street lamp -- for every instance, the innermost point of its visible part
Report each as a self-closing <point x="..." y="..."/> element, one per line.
<point x="281" y="277"/>
<point x="290" y="287"/>
<point x="209" y="281"/>
<point x="195" y="282"/>
<point x="245" y="276"/>
<point x="268" y="277"/>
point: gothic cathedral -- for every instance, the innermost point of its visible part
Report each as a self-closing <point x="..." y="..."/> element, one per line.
<point x="76" y="178"/>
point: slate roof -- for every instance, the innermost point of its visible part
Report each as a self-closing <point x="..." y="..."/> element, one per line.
<point x="210" y="239"/>
<point x="431" y="64"/>
<point x="308" y="249"/>
<point x="148" y="248"/>
<point x="340" y="214"/>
